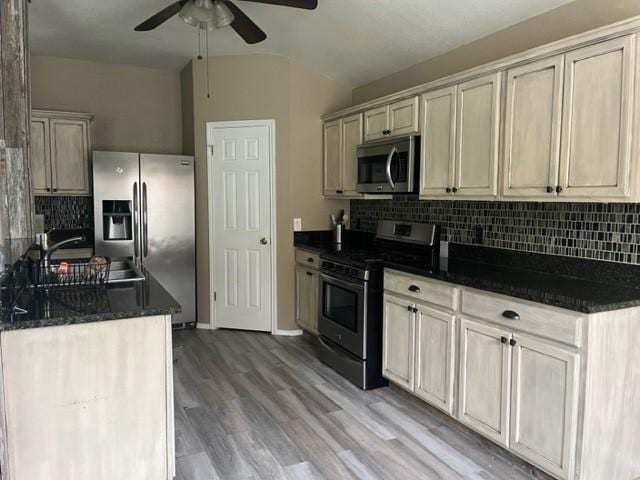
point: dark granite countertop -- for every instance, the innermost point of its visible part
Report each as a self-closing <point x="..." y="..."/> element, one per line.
<point x="581" y="285"/>
<point x="84" y="305"/>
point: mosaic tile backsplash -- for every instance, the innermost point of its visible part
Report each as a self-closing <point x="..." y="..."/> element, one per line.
<point x="65" y="213"/>
<point x="586" y="230"/>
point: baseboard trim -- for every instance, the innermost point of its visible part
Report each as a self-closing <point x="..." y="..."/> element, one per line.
<point x="205" y="326"/>
<point x="287" y="333"/>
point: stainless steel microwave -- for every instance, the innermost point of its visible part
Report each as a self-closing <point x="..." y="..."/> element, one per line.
<point x="389" y="166"/>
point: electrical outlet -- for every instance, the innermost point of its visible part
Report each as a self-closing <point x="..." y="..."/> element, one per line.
<point x="297" y="224"/>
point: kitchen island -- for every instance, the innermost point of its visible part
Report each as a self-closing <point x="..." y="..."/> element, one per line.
<point x="86" y="383"/>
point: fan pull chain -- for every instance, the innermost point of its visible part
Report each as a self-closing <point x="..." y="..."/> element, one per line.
<point x="199" y="44"/>
<point x="206" y="36"/>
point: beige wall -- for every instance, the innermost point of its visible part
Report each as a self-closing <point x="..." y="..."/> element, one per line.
<point x="251" y="87"/>
<point x="136" y="109"/>
<point x="570" y="19"/>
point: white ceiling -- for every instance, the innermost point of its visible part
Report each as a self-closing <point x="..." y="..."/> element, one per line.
<point x="355" y="41"/>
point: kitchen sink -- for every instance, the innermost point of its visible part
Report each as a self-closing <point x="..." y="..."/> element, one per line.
<point x="124" y="271"/>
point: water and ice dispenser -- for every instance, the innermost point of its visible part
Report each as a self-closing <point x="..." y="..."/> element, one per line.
<point x="117" y="220"/>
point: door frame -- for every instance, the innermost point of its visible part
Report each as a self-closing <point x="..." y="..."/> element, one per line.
<point x="211" y="126"/>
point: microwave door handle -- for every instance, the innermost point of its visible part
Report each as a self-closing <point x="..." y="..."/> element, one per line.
<point x="393" y="151"/>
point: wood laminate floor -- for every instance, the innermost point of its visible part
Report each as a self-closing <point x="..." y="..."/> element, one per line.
<point x="254" y="406"/>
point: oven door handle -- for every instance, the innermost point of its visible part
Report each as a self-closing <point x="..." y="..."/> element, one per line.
<point x="342" y="283"/>
<point x="393" y="151"/>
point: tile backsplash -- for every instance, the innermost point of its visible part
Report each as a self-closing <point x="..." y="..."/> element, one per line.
<point x="65" y="212"/>
<point x="585" y="230"/>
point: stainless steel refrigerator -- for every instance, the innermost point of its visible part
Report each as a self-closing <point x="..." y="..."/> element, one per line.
<point x="144" y="207"/>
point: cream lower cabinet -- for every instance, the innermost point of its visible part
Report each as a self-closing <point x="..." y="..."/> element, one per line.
<point x="307" y="285"/>
<point x="60" y="153"/>
<point x="485" y="367"/>
<point x="398" y="341"/>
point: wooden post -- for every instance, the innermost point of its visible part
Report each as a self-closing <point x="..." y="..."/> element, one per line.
<point x="16" y="206"/>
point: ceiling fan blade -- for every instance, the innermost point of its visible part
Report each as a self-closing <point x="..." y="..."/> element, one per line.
<point x="306" y="4"/>
<point x="244" y="26"/>
<point x="161" y="17"/>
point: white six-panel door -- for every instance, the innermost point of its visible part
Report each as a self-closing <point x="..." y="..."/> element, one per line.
<point x="241" y="219"/>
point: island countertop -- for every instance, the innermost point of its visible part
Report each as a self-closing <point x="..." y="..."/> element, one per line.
<point x="34" y="308"/>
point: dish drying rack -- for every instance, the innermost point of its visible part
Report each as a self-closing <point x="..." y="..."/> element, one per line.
<point x="71" y="274"/>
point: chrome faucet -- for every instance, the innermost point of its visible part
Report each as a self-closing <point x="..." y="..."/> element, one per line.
<point x="46" y="250"/>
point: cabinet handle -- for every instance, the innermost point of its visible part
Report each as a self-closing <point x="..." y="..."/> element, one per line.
<point x="409" y="308"/>
<point x="454" y="189"/>
<point x="558" y="189"/>
<point x="504" y="339"/>
<point x="386" y="132"/>
<point x="512" y="342"/>
<point x="448" y="189"/>
<point x="48" y="189"/>
<point x="339" y="191"/>
<point x="309" y="274"/>
<point x="55" y="189"/>
<point x="415" y="310"/>
<point x="310" y="260"/>
<point x="549" y="189"/>
<point x="414" y="288"/>
<point x="511" y="315"/>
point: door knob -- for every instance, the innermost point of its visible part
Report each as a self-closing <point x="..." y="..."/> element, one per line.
<point x="263" y="241"/>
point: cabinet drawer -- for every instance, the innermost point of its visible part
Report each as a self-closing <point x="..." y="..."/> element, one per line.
<point x="307" y="258"/>
<point x="540" y="320"/>
<point x="421" y="288"/>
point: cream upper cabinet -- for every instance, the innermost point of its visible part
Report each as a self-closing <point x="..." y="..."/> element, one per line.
<point x="435" y="357"/>
<point x="485" y="367"/>
<point x="376" y="123"/>
<point x="341" y="137"/>
<point x="403" y="117"/>
<point x="351" y="138"/>
<point x="532" y="124"/>
<point x="477" y="129"/>
<point x="595" y="158"/>
<point x="544" y="379"/>
<point x="437" y="134"/>
<point x="332" y="158"/>
<point x="40" y="156"/>
<point x="60" y="153"/>
<point x="398" y="338"/>
<point x="395" y="119"/>
<point x="307" y="284"/>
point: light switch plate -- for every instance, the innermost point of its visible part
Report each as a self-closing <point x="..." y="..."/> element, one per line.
<point x="297" y="224"/>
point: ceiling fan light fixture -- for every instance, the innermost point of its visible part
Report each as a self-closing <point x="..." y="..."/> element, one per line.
<point x="203" y="10"/>
<point x="222" y="15"/>
<point x="186" y="14"/>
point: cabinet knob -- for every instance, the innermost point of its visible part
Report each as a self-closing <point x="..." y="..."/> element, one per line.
<point x="386" y="132"/>
<point x="310" y="260"/>
<point x="415" y="310"/>
<point x="414" y="288"/>
<point x="558" y="189"/>
<point x="549" y="189"/>
<point x="409" y="308"/>
<point x="512" y="342"/>
<point x="511" y="315"/>
<point x="339" y="191"/>
<point x="448" y="189"/>
<point x="309" y="274"/>
<point x="504" y="339"/>
<point x="454" y="189"/>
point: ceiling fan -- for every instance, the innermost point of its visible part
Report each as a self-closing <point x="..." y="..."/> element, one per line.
<point x="211" y="14"/>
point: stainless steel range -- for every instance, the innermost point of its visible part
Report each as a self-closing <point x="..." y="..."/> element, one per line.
<point x="350" y="307"/>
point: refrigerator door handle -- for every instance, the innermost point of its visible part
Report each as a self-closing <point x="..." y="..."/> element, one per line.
<point x="145" y="231"/>
<point x="135" y="222"/>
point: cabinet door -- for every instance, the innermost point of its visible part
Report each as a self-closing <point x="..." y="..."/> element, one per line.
<point x="532" y="129"/>
<point x="351" y="138"/>
<point x="597" y="119"/>
<point x="40" y="156"/>
<point x="398" y="341"/>
<point x="438" y="142"/>
<point x="70" y="156"/>
<point x="485" y="365"/>
<point x="478" y="107"/>
<point x="543" y="404"/>
<point x="435" y="351"/>
<point x="376" y="123"/>
<point x="403" y="117"/>
<point x="307" y="298"/>
<point x="332" y="159"/>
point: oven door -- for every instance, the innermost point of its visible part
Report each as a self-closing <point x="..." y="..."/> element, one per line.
<point x="386" y="167"/>
<point x="343" y="312"/>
